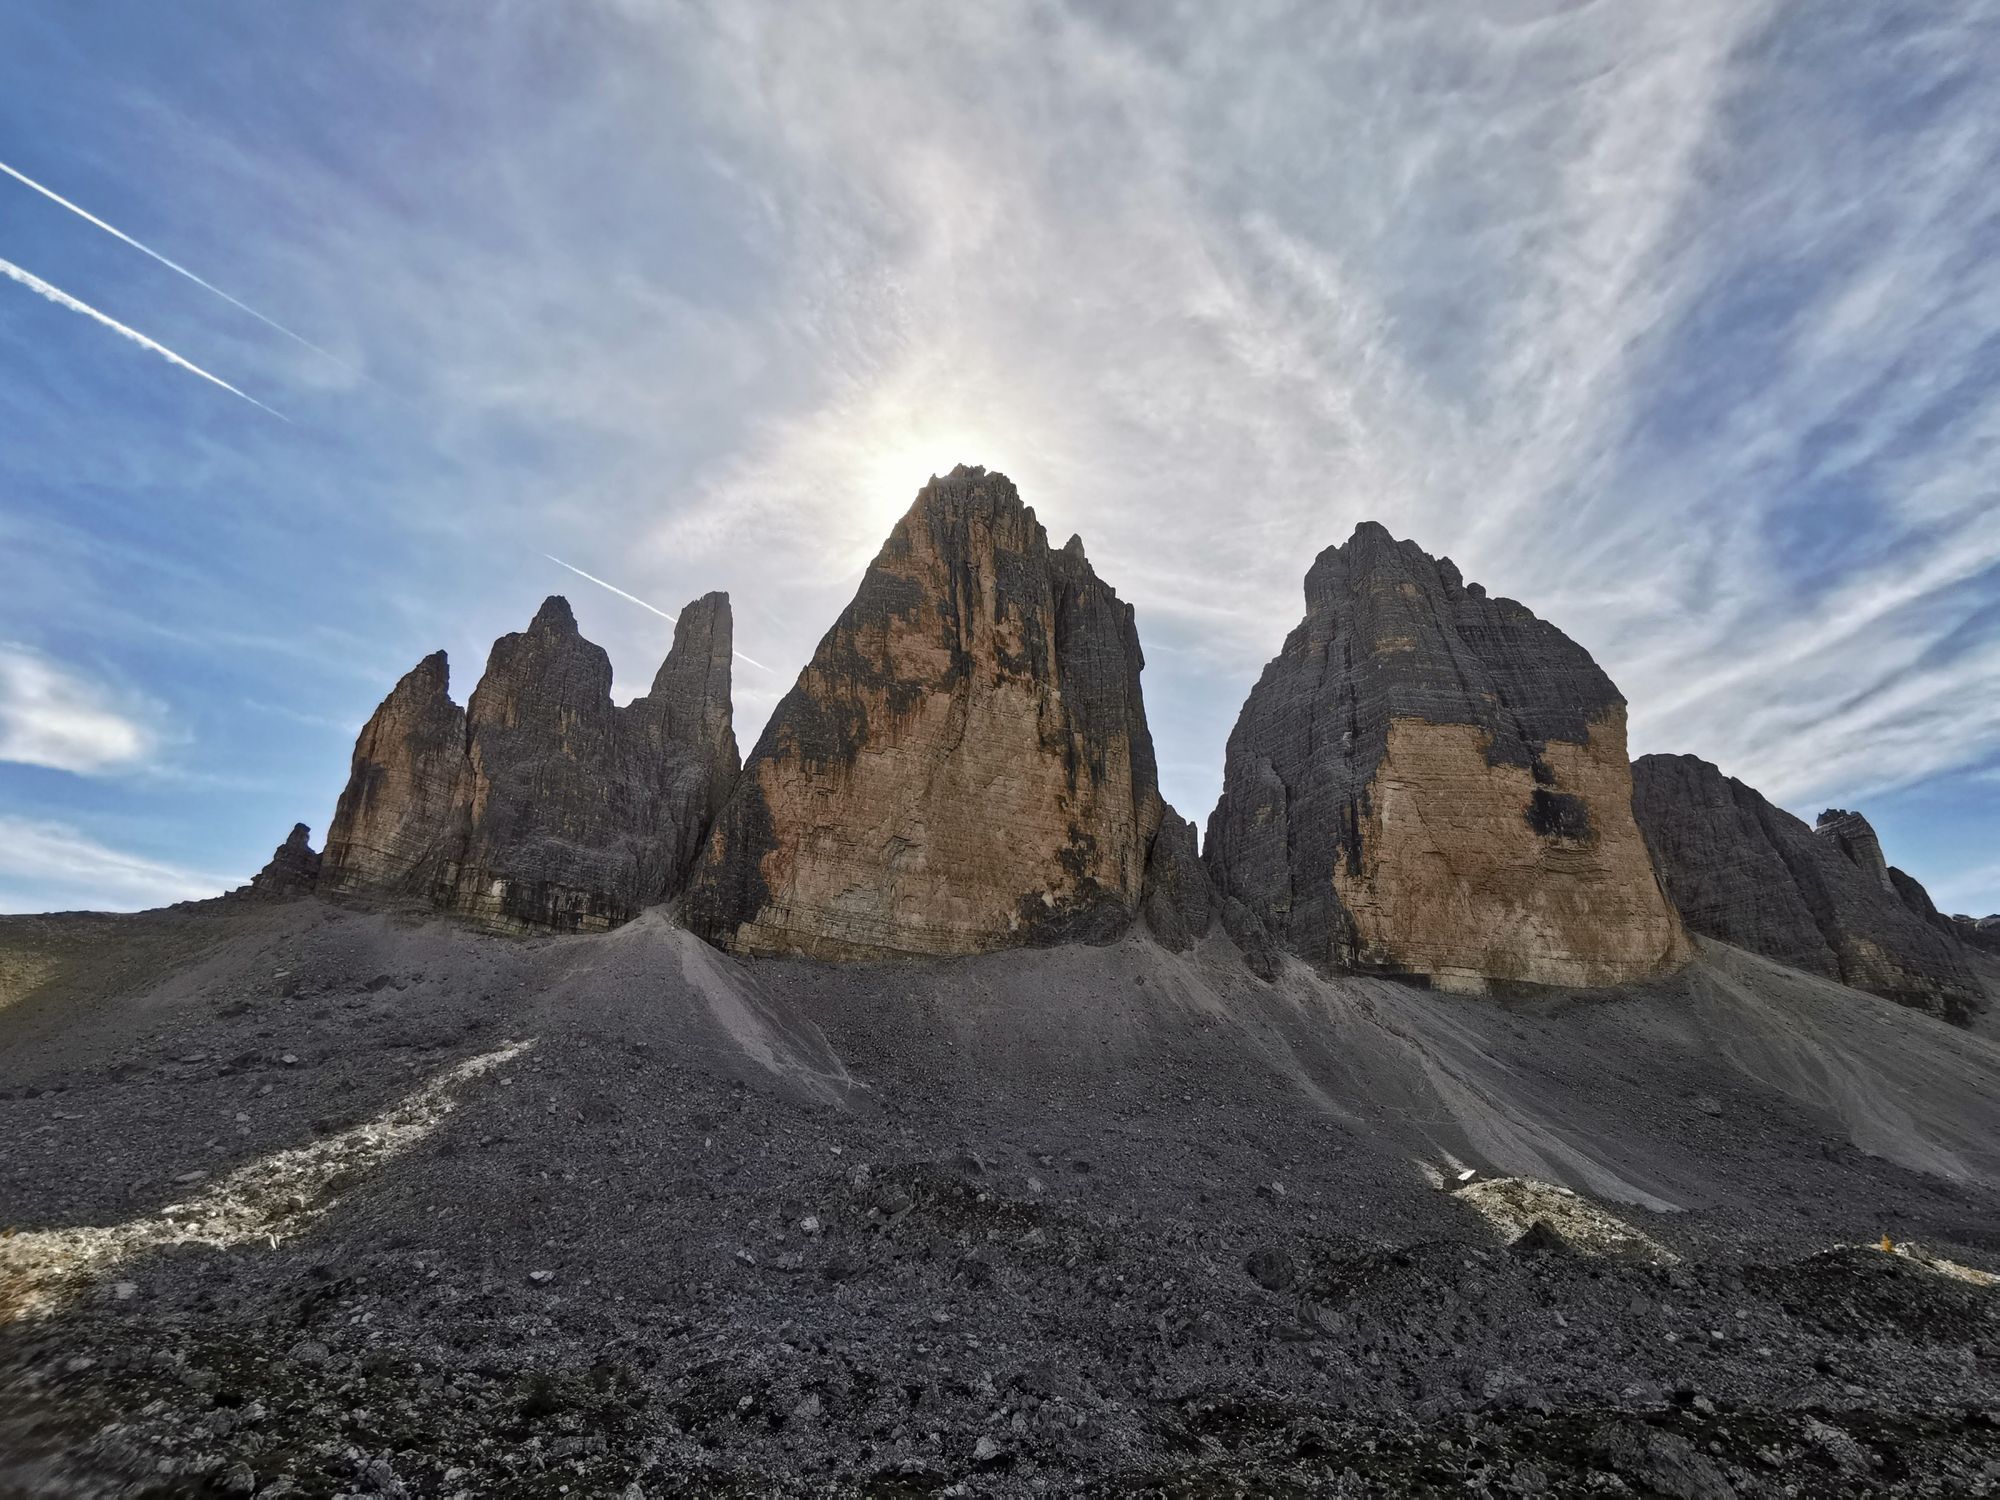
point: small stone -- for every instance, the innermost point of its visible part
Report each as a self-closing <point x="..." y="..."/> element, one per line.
<point x="541" y="1278"/>
<point x="1708" y="1104"/>
<point x="1271" y="1268"/>
<point x="124" y="1291"/>
<point x="309" y="1352"/>
<point x="807" y="1410"/>
<point x="290" y="1059"/>
<point x="985" y="1451"/>
<point x="187" y="1177"/>
<point x="810" y="1224"/>
<point x="746" y="1257"/>
<point x="237" y="1479"/>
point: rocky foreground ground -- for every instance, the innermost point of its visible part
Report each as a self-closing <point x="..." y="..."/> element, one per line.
<point x="304" y="1201"/>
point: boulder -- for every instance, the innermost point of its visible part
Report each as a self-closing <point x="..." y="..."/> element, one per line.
<point x="1749" y="873"/>
<point x="1432" y="782"/>
<point x="542" y="804"/>
<point x="963" y="765"/>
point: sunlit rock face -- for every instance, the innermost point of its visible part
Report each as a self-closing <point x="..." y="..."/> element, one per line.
<point x="963" y="765"/>
<point x="541" y="804"/>
<point x="399" y="827"/>
<point x="1749" y="873"/>
<point x="1432" y="782"/>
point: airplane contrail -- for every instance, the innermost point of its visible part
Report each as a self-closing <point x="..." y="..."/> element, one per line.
<point x="592" y="577"/>
<point x="55" y="197"/>
<point x="62" y="298"/>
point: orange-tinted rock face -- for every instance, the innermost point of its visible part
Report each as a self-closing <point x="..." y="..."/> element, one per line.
<point x="1428" y="781"/>
<point x="1455" y="880"/>
<point x="964" y="764"/>
<point x="399" y="827"/>
<point x="541" y="804"/>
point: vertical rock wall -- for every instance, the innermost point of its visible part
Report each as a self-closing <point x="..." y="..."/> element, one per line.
<point x="1432" y="782"/>
<point x="541" y="804"/>
<point x="963" y="765"/>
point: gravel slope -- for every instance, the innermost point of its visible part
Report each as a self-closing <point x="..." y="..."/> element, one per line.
<point x="315" y="1201"/>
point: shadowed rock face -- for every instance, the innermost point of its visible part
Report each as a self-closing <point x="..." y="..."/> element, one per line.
<point x="1429" y="781"/>
<point x="541" y="804"/>
<point x="293" y="870"/>
<point x="964" y="764"/>
<point x="1749" y="873"/>
<point x="1855" y="837"/>
<point x="1179" y="901"/>
<point x="1981" y="932"/>
<point x="399" y="827"/>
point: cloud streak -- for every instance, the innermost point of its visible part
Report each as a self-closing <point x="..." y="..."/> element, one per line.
<point x="62" y="298"/>
<point x="175" y="266"/>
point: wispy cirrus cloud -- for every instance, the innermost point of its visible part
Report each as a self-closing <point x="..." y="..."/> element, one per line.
<point x="48" y="865"/>
<point x="62" y="298"/>
<point x="52" y="716"/>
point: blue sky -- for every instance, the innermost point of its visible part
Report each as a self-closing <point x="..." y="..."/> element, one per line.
<point x="1678" y="323"/>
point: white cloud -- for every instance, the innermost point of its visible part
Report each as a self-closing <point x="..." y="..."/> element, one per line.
<point x="47" y="866"/>
<point x="49" y="716"/>
<point x="62" y="298"/>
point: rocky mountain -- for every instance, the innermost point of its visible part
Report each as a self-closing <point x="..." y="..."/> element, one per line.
<point x="541" y="803"/>
<point x="963" y="765"/>
<point x="1749" y="873"/>
<point x="1427" y="780"/>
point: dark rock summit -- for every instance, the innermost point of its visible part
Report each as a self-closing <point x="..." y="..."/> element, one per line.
<point x="963" y="765"/>
<point x="541" y="804"/>
<point x="1980" y="932"/>
<point x="1430" y="781"/>
<point x="1855" y="837"/>
<point x="1749" y="873"/>
<point x="293" y="870"/>
<point x="1179" y="902"/>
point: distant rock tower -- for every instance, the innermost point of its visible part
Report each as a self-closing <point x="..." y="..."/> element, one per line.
<point x="540" y="804"/>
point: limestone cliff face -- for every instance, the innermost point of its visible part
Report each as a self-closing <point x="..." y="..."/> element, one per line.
<point x="1749" y="873"/>
<point x="399" y="828"/>
<point x="1179" y="902"/>
<point x="1429" y="781"/>
<point x="963" y="765"/>
<point x="541" y="804"/>
<point x="1855" y="837"/>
